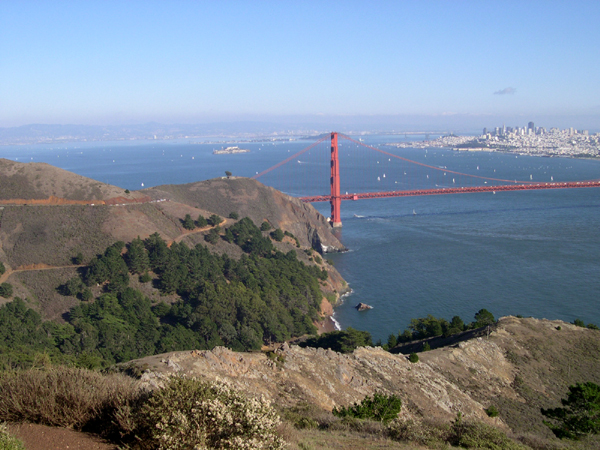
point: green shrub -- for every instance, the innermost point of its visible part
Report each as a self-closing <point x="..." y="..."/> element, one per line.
<point x="145" y="278"/>
<point x="188" y="223"/>
<point x="277" y="235"/>
<point x="413" y="357"/>
<point x="215" y="220"/>
<point x="426" y="347"/>
<point x="492" y="411"/>
<point x="188" y="413"/>
<point x="265" y="226"/>
<point x="201" y="221"/>
<point x="234" y="216"/>
<point x="580" y="415"/>
<point x="2" y="268"/>
<point x="579" y="323"/>
<point x="7" y="441"/>
<point x="6" y="290"/>
<point x="380" y="407"/>
<point x="77" y="259"/>
<point x="343" y="341"/>
<point x="483" y="318"/>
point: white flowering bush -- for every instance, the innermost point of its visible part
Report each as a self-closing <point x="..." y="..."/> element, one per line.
<point x="192" y="414"/>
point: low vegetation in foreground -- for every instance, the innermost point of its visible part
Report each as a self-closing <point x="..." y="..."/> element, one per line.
<point x="190" y="413"/>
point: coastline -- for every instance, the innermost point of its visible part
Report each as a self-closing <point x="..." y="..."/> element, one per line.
<point x="328" y="323"/>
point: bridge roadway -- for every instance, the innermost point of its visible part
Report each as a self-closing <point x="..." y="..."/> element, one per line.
<point x="458" y="190"/>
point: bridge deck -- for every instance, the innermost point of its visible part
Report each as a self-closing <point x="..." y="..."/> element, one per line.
<point x="459" y="190"/>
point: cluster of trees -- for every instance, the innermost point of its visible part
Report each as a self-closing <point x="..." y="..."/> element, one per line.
<point x="264" y="296"/>
<point x="581" y="323"/>
<point x="343" y="341"/>
<point x="214" y="220"/>
<point x="580" y="414"/>
<point x="430" y="326"/>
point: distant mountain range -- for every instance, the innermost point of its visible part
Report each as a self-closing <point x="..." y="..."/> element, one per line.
<point x="42" y="133"/>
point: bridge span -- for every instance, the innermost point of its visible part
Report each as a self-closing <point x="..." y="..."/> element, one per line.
<point x="335" y="197"/>
<point x="458" y="190"/>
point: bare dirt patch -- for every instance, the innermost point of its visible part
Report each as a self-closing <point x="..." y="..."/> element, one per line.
<point x="42" y="437"/>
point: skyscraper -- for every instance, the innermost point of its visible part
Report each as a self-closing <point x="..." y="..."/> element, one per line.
<point x="531" y="126"/>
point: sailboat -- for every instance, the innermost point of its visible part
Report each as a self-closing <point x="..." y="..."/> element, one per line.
<point x="414" y="213"/>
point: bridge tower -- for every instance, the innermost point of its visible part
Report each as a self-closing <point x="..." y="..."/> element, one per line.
<point x="335" y="199"/>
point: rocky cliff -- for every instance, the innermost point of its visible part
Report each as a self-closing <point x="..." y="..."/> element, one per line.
<point x="522" y="365"/>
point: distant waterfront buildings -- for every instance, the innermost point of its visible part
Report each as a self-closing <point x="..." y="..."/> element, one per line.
<point x="530" y="140"/>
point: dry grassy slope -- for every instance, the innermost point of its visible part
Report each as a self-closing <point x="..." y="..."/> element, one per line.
<point x="523" y="365"/>
<point x="41" y="180"/>
<point x="250" y="198"/>
<point x="52" y="235"/>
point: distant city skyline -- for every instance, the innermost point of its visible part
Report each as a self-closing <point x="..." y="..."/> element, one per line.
<point x="454" y="66"/>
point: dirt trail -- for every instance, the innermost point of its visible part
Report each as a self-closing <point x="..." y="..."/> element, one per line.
<point x="197" y="230"/>
<point x="6" y="275"/>
<point x="55" y="201"/>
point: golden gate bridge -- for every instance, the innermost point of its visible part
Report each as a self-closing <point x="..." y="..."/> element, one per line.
<point x="418" y="178"/>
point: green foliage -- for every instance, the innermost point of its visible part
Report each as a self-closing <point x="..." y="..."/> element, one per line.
<point x="250" y="239"/>
<point x="423" y="328"/>
<point x="430" y="326"/>
<point x="188" y="223"/>
<point x="234" y="215"/>
<point x="492" y="411"/>
<point x="592" y="326"/>
<point x="2" y="268"/>
<point x="201" y="221"/>
<point x="214" y="220"/>
<point x="212" y="237"/>
<point x="343" y="341"/>
<point x="413" y="358"/>
<point x="8" y="441"/>
<point x="277" y="235"/>
<point x="228" y="173"/>
<point x="265" y="296"/>
<point x="426" y="347"/>
<point x="379" y="407"/>
<point x="392" y="341"/>
<point x="77" y="259"/>
<point x="265" y="226"/>
<point x="188" y="413"/>
<point x="6" y="290"/>
<point x="109" y="269"/>
<point x="127" y="191"/>
<point x="579" y="323"/>
<point x="136" y="257"/>
<point x="73" y="287"/>
<point x="580" y="414"/>
<point x="145" y="278"/>
<point x="483" y="318"/>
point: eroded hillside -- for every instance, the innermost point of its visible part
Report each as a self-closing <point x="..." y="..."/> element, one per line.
<point x="523" y="364"/>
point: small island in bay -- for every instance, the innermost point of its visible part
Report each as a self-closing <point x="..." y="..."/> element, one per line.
<point x="230" y="151"/>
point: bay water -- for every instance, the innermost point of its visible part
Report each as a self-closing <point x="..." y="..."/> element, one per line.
<point x="533" y="253"/>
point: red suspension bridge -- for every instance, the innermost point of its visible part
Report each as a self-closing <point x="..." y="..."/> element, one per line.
<point x="416" y="178"/>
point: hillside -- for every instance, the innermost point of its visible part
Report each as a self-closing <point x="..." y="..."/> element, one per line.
<point x="522" y="366"/>
<point x="40" y="180"/>
<point x="40" y="234"/>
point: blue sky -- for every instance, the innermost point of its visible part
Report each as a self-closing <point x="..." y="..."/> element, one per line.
<point x="479" y="62"/>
